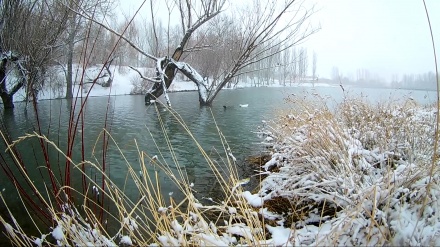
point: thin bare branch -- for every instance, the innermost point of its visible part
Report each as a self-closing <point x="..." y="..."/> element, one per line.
<point x="197" y="48"/>
<point x="116" y="33"/>
<point x="142" y="76"/>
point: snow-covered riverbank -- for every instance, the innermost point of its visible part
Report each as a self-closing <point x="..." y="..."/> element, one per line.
<point x="360" y="177"/>
<point x="125" y="81"/>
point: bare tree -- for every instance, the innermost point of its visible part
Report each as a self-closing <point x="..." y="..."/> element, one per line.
<point x="29" y="40"/>
<point x="192" y="17"/>
<point x="336" y="74"/>
<point x="72" y="31"/>
<point x="261" y="32"/>
<point x="79" y="30"/>
<point x="260" y="29"/>
<point x="294" y="66"/>
<point x="285" y="66"/>
<point x="362" y="75"/>
<point x="303" y="63"/>
<point x="314" y="60"/>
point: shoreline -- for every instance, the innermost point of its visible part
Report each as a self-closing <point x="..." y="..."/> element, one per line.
<point x="361" y="170"/>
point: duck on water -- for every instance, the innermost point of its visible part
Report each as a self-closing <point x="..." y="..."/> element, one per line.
<point x="230" y="107"/>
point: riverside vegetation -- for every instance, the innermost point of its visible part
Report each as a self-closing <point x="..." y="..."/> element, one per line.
<point x="359" y="174"/>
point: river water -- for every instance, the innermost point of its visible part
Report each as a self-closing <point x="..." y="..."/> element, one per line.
<point x="132" y="125"/>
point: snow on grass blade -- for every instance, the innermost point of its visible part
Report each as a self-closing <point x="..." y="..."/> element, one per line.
<point x="357" y="176"/>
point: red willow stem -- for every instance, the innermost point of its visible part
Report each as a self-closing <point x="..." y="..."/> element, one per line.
<point x="46" y="155"/>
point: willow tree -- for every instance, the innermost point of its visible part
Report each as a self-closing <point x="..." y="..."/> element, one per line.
<point x="78" y="30"/>
<point x="261" y="30"/>
<point x="30" y="36"/>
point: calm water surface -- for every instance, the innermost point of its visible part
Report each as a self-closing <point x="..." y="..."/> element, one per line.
<point x="132" y="123"/>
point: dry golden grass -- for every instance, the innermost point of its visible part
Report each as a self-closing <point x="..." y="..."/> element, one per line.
<point x="152" y="217"/>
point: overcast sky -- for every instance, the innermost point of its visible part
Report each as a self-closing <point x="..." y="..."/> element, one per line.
<point x="384" y="36"/>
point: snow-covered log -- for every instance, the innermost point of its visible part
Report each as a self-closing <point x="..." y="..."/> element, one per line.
<point x="109" y="81"/>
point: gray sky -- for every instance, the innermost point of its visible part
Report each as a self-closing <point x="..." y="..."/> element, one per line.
<point x="384" y="36"/>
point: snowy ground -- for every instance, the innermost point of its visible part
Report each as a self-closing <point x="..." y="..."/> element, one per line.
<point x="358" y="178"/>
<point x="124" y="81"/>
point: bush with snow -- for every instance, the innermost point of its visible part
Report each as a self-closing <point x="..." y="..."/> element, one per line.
<point x="363" y="173"/>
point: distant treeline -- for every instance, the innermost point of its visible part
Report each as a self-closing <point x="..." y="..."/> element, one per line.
<point x="364" y="78"/>
<point x="425" y="81"/>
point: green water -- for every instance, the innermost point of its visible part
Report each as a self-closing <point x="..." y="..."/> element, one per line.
<point x="128" y="119"/>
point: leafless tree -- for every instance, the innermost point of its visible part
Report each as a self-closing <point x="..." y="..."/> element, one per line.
<point x="294" y="66"/>
<point x="362" y="75"/>
<point x="314" y="60"/>
<point x="336" y="75"/>
<point x="286" y="68"/>
<point x="79" y="30"/>
<point x="29" y="40"/>
<point x="303" y="63"/>
<point x="259" y="29"/>
<point x="192" y="17"/>
<point x="262" y="31"/>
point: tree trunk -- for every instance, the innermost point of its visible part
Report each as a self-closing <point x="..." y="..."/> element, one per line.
<point x="207" y="103"/>
<point x="7" y="99"/>
<point x="109" y="81"/>
<point x="71" y="45"/>
<point x="8" y="102"/>
<point x="69" y="76"/>
<point x="170" y="71"/>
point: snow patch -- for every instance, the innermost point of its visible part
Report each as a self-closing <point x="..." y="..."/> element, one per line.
<point x="126" y="240"/>
<point x="58" y="233"/>
<point x="253" y="200"/>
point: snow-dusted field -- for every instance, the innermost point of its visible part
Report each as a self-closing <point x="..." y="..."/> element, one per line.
<point x="125" y="81"/>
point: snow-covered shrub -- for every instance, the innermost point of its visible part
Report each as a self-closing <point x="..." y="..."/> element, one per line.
<point x="362" y="172"/>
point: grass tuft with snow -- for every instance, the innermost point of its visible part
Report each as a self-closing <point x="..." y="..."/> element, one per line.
<point x="355" y="176"/>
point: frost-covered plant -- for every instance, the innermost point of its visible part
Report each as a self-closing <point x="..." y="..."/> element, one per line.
<point x="361" y="173"/>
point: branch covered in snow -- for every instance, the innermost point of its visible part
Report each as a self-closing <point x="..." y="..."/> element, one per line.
<point x="194" y="76"/>
<point x="163" y="63"/>
<point x="197" y="48"/>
